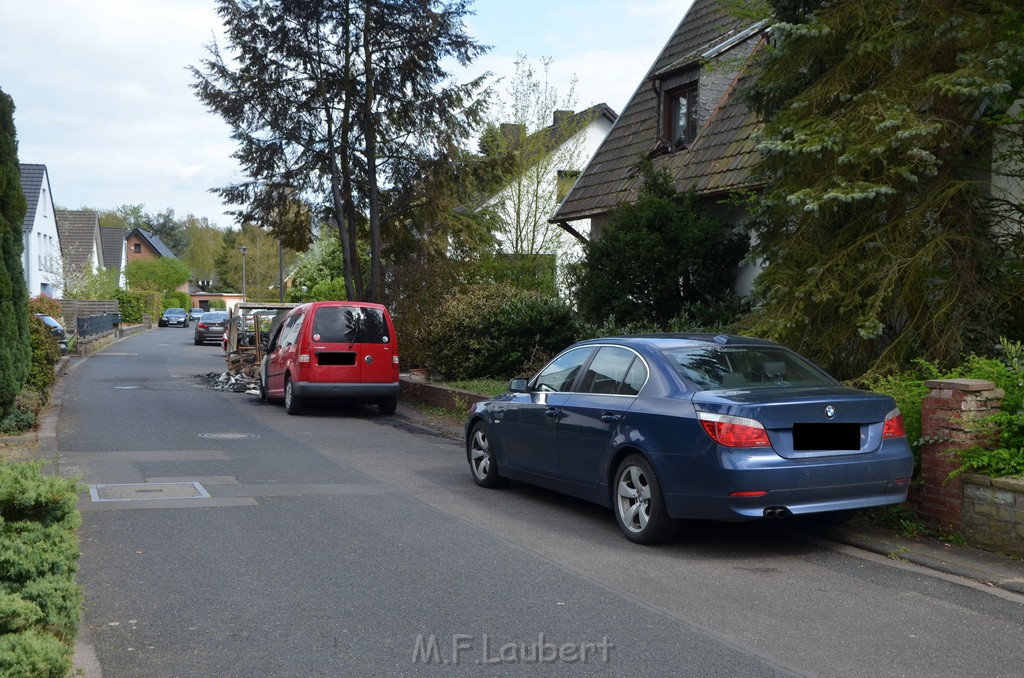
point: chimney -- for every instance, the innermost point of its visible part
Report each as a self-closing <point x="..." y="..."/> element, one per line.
<point x="559" y="117"/>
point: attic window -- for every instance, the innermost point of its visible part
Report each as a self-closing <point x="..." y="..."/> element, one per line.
<point x="680" y="107"/>
<point x="137" y="248"/>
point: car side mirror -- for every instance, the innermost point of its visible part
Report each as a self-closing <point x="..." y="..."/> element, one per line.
<point x="518" y="385"/>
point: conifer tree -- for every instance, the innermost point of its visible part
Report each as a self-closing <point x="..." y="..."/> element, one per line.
<point x="15" y="353"/>
<point x="891" y="158"/>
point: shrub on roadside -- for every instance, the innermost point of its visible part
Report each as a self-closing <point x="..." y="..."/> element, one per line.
<point x="497" y="331"/>
<point x="1006" y="427"/>
<point x="132" y="305"/>
<point x="45" y="305"/>
<point x="45" y="355"/>
<point x="40" y="602"/>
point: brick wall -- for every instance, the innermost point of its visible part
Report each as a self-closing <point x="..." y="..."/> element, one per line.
<point x="945" y="413"/>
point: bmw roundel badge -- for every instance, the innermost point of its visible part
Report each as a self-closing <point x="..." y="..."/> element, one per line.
<point x="830" y="411"/>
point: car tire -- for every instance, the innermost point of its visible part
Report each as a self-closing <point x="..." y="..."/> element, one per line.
<point x="263" y="392"/>
<point x="639" y="503"/>
<point x="481" y="459"/>
<point x="387" y="406"/>
<point x="292" y="402"/>
<point x="198" y="342"/>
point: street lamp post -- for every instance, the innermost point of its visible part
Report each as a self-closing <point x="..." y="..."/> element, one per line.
<point x="243" y="250"/>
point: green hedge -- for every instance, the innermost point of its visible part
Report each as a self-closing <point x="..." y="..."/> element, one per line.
<point x="40" y="603"/>
<point x="133" y="305"/>
<point x="497" y="331"/>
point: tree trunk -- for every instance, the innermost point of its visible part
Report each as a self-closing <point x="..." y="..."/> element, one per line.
<point x="369" y="133"/>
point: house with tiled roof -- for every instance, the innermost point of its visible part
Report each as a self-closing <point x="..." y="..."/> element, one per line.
<point x="80" y="243"/>
<point x="548" y="162"/>
<point x="42" y="258"/>
<point x="685" y="117"/>
<point x="115" y="251"/>
<point x="141" y="244"/>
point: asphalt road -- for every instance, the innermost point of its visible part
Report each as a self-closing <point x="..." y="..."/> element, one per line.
<point x="341" y="543"/>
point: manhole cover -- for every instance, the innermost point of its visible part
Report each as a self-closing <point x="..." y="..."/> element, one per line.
<point x="142" y="491"/>
<point x="229" y="436"/>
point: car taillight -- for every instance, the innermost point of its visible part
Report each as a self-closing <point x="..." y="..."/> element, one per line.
<point x="394" y="360"/>
<point x="201" y="326"/>
<point x="894" y="426"/>
<point x="303" y="357"/>
<point x="734" y="431"/>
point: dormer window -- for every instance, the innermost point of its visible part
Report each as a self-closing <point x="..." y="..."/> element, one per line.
<point x="680" y="110"/>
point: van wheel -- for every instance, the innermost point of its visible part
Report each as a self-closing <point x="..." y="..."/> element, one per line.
<point x="263" y="392"/>
<point x="387" y="406"/>
<point x="292" y="402"/>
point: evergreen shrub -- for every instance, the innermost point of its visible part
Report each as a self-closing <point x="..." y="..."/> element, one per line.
<point x="40" y="603"/>
<point x="497" y="331"/>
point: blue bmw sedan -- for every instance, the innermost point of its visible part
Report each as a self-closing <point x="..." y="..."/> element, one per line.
<point x="668" y="427"/>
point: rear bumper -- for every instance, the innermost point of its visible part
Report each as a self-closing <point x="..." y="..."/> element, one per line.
<point x="359" y="391"/>
<point x="802" y="487"/>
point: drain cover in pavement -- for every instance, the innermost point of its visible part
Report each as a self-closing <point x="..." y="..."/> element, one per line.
<point x="143" y="491"/>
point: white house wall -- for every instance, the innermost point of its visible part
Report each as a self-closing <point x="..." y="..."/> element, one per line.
<point x="42" y="258"/>
<point x="585" y="148"/>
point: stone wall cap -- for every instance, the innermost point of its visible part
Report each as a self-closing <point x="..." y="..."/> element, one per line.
<point x="970" y="385"/>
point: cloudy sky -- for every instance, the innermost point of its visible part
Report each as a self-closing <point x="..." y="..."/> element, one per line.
<point x="102" y="98"/>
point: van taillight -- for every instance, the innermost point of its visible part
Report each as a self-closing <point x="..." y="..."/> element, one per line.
<point x="303" y="357"/>
<point x="394" y="359"/>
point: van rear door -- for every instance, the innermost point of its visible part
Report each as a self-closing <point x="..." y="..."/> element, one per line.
<point x="351" y="344"/>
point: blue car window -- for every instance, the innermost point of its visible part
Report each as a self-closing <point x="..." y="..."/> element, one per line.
<point x="635" y="379"/>
<point x="711" y="368"/>
<point x="607" y="371"/>
<point x="561" y="372"/>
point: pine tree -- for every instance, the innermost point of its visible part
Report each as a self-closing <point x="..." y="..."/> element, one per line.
<point x="888" y="130"/>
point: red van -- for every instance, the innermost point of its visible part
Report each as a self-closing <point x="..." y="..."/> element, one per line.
<point x="332" y="349"/>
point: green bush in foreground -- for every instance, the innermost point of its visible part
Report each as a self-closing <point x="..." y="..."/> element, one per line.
<point x="40" y="603"/>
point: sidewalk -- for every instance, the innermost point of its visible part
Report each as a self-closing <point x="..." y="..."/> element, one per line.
<point x="984" y="567"/>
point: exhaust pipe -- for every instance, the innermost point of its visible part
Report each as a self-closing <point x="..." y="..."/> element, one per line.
<point x="777" y="512"/>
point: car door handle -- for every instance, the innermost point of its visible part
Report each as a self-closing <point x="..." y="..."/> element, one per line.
<point x="552" y="412"/>
<point x="610" y="417"/>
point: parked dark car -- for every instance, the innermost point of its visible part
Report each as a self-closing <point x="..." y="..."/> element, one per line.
<point x="668" y="427"/>
<point x="173" y="316"/>
<point x="211" y="326"/>
<point x="57" y="330"/>
<point x="196" y="314"/>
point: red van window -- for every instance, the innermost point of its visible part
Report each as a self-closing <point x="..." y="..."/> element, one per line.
<point x="350" y="325"/>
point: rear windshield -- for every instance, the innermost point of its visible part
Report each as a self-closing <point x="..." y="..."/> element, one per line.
<point x="215" y="316"/>
<point x="350" y="325"/>
<point x="712" y="368"/>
